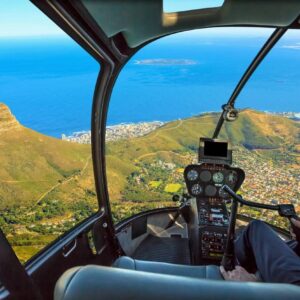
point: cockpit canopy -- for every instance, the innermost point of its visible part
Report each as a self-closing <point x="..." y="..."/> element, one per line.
<point x="141" y="21"/>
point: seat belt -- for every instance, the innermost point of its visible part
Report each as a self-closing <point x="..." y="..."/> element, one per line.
<point x="13" y="274"/>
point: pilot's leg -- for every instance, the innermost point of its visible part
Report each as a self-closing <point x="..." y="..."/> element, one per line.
<point x="259" y="247"/>
<point x="295" y="246"/>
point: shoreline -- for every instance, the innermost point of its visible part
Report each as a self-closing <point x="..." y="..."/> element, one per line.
<point x="131" y="130"/>
<point x="116" y="132"/>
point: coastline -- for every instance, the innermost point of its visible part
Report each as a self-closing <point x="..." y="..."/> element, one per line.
<point x="116" y="132"/>
<point x="132" y="130"/>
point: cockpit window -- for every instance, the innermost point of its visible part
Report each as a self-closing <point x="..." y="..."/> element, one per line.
<point x="267" y="132"/>
<point x="167" y="97"/>
<point x="46" y="88"/>
<point x="274" y="87"/>
<point x="171" y="6"/>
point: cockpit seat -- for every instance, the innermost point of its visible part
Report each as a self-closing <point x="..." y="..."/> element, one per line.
<point x="205" y="272"/>
<point x="106" y="283"/>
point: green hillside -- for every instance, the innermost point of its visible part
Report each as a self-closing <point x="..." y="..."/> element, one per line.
<point x="177" y="142"/>
<point x="47" y="185"/>
<point x="32" y="163"/>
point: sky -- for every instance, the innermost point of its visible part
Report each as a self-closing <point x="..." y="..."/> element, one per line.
<point x="22" y="18"/>
<point x="181" y="5"/>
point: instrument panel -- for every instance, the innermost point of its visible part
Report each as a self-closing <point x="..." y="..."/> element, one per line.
<point x="205" y="180"/>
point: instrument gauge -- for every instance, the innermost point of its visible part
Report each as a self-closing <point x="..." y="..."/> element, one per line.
<point x="192" y="175"/>
<point x="210" y="190"/>
<point x="196" y="189"/>
<point x="218" y="177"/>
<point x="205" y="176"/>
<point x="232" y="178"/>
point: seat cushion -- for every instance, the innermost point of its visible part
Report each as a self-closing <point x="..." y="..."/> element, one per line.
<point x="106" y="283"/>
<point x="205" y="272"/>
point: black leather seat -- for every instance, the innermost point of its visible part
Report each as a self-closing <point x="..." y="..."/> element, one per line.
<point x="104" y="283"/>
<point x="205" y="272"/>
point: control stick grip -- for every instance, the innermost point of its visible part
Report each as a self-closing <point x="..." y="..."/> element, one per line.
<point x="288" y="211"/>
<point x="295" y="228"/>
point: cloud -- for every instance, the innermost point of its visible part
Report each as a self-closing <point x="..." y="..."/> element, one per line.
<point x="295" y="46"/>
<point x="165" y="62"/>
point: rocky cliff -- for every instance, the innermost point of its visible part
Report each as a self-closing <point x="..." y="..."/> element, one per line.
<point x="7" y="119"/>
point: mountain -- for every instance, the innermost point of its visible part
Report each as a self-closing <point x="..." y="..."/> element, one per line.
<point x="263" y="133"/>
<point x="47" y="184"/>
<point x="7" y="120"/>
<point x="32" y="164"/>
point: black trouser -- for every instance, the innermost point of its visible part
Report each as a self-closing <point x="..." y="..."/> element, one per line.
<point x="260" y="248"/>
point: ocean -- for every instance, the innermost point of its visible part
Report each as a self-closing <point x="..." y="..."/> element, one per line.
<point x="48" y="82"/>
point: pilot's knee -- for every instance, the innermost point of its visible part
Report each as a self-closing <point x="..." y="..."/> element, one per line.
<point x="257" y="224"/>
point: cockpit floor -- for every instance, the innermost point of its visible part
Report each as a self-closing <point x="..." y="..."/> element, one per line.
<point x="170" y="250"/>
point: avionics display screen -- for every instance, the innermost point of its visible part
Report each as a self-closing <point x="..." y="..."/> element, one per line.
<point x="217" y="149"/>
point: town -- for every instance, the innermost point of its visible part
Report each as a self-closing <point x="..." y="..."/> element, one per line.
<point x="270" y="177"/>
<point x="131" y="130"/>
<point x="116" y="132"/>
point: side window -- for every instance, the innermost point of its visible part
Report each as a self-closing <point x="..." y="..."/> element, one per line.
<point x="271" y="137"/>
<point x="46" y="87"/>
<point x="160" y="107"/>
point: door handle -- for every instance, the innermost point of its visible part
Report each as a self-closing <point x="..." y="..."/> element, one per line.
<point x="69" y="248"/>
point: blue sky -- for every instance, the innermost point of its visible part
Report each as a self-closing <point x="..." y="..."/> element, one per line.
<point x="180" y="5"/>
<point x="22" y="18"/>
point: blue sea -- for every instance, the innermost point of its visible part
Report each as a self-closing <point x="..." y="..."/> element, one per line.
<point x="48" y="83"/>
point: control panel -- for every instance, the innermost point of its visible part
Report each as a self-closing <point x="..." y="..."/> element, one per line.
<point x="212" y="212"/>
<point x="213" y="222"/>
<point x="206" y="180"/>
<point x="212" y="242"/>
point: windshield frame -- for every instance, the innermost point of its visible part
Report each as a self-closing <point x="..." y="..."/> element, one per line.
<point x="229" y="112"/>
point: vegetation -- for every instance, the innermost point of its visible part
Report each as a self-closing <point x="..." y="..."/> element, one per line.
<point x="173" y="188"/>
<point x="152" y="166"/>
<point x="47" y="185"/>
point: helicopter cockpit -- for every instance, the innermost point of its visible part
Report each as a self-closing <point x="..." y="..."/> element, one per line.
<point x="206" y="219"/>
<point x="151" y="209"/>
<point x="208" y="214"/>
<point x="205" y="182"/>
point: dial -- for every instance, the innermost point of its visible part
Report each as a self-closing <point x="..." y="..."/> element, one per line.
<point x="232" y="178"/>
<point x="196" y="189"/>
<point x="192" y="175"/>
<point x="205" y="176"/>
<point x="210" y="190"/>
<point x="218" y="177"/>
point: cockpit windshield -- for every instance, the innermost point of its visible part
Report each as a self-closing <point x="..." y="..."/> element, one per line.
<point x="270" y="149"/>
<point x="171" y="93"/>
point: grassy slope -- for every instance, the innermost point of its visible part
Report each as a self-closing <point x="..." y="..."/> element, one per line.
<point x="253" y="129"/>
<point x="31" y="163"/>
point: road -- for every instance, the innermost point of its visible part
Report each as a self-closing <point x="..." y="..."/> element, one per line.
<point x="64" y="181"/>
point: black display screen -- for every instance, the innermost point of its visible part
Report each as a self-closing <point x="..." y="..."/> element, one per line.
<point x="217" y="149"/>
